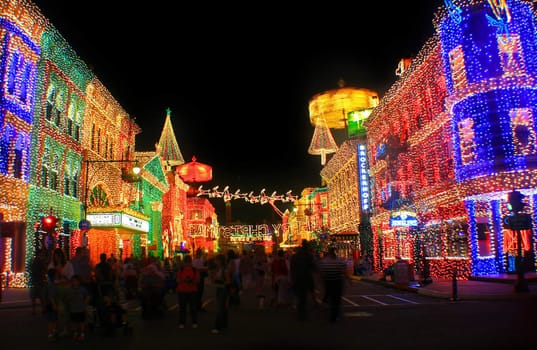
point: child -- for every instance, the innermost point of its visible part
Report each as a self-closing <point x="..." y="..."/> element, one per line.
<point x="78" y="300"/>
<point x="51" y="310"/>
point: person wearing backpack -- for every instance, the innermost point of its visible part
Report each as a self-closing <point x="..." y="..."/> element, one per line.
<point x="187" y="278"/>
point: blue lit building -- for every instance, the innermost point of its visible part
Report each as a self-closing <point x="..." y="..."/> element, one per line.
<point x="21" y="26"/>
<point x="489" y="52"/>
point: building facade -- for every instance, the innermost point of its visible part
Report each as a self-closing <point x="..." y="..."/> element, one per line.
<point x="57" y="150"/>
<point x="21" y="28"/>
<point x="418" y="213"/>
<point x="489" y="54"/>
<point x="109" y="188"/>
<point x="451" y="138"/>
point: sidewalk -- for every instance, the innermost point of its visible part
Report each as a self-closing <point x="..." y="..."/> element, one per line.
<point x="15" y="298"/>
<point x="501" y="287"/>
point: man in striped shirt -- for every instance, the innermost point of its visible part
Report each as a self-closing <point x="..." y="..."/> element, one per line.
<point x="334" y="273"/>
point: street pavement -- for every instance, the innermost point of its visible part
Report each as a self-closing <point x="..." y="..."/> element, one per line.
<point x="500" y="287"/>
<point x="375" y="315"/>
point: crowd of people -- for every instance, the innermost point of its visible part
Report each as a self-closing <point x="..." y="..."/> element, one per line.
<point x="75" y="296"/>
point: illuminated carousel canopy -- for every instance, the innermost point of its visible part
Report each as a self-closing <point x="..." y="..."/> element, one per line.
<point x="334" y="106"/>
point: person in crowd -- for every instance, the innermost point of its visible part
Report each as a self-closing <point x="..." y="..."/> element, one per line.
<point x="390" y="270"/>
<point x="234" y="290"/>
<point x="62" y="282"/>
<point x="334" y="273"/>
<point x="187" y="278"/>
<point x="51" y="308"/>
<point x="130" y="276"/>
<point x="363" y="266"/>
<point x="246" y="269"/>
<point x="169" y="276"/>
<point x="302" y="269"/>
<point x="78" y="299"/>
<point x="38" y="280"/>
<point x="81" y="266"/>
<point x="260" y="269"/>
<point x="280" y="279"/>
<point x="221" y="281"/>
<point x="200" y="264"/>
<point x="104" y="277"/>
<point x="152" y="289"/>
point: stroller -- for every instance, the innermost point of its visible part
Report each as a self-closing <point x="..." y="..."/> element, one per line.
<point x="108" y="315"/>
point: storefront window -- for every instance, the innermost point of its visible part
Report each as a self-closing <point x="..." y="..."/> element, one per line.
<point x="483" y="239"/>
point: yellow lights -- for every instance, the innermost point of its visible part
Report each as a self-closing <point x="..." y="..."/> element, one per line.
<point x="136" y="170"/>
<point x="334" y="105"/>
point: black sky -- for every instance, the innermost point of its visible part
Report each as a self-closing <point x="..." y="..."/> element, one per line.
<point x="238" y="78"/>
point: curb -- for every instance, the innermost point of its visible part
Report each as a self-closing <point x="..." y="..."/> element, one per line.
<point x="15" y="305"/>
<point x="387" y="284"/>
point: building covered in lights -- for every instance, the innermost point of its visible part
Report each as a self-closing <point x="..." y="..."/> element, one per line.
<point x="21" y="29"/>
<point x="347" y="182"/>
<point x="174" y="202"/>
<point x="66" y="149"/>
<point x="110" y="188"/>
<point x="57" y="144"/>
<point x="447" y="148"/>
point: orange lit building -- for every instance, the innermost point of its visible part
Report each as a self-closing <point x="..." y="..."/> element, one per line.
<point x="108" y="140"/>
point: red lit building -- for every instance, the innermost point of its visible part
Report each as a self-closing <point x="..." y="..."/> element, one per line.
<point x="201" y="220"/>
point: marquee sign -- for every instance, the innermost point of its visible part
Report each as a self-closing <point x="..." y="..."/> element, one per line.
<point x="119" y="220"/>
<point x="247" y="232"/>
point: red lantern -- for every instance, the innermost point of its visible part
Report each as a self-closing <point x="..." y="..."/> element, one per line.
<point x="195" y="172"/>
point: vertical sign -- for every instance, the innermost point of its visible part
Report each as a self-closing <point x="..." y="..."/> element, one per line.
<point x="363" y="178"/>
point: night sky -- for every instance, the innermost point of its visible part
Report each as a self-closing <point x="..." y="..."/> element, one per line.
<point x="238" y="78"/>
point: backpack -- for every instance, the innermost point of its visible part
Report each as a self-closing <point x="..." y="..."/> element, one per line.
<point x="180" y="272"/>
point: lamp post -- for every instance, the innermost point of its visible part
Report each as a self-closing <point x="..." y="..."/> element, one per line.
<point x="136" y="170"/>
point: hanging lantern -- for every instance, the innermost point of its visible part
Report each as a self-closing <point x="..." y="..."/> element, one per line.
<point x="194" y="172"/>
<point x="323" y="142"/>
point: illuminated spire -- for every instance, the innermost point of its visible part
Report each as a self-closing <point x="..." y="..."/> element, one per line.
<point x="323" y="142"/>
<point x="167" y="145"/>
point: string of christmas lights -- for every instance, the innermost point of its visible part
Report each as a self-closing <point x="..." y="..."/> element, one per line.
<point x="261" y="198"/>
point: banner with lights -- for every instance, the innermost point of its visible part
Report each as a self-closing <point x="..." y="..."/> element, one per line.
<point x="246" y="233"/>
<point x="118" y="220"/>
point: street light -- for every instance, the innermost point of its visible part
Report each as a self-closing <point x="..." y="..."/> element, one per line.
<point x="135" y="170"/>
